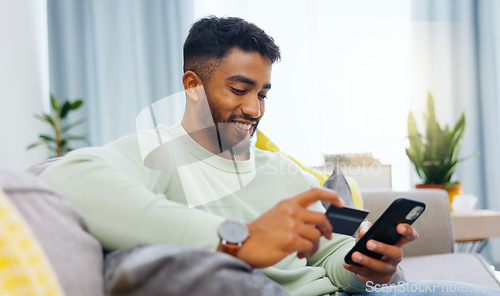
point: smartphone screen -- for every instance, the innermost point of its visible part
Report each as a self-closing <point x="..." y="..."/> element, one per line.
<point x="401" y="210"/>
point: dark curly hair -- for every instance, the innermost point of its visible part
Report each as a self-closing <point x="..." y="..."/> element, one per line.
<point x="211" y="38"/>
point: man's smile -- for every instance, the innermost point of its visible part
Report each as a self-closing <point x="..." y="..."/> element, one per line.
<point x="247" y="127"/>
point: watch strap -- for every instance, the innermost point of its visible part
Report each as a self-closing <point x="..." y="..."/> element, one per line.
<point x="228" y="248"/>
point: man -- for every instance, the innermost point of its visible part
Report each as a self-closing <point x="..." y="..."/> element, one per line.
<point x="188" y="184"/>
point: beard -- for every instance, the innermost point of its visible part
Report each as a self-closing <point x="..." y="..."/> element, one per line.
<point x="222" y="134"/>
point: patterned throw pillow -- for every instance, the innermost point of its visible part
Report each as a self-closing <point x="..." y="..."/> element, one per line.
<point x="24" y="267"/>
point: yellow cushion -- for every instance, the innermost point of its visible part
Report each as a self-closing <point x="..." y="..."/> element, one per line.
<point x="24" y="268"/>
<point x="264" y="143"/>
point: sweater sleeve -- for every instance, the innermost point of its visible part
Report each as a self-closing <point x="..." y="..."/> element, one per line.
<point x="123" y="202"/>
<point x="330" y="256"/>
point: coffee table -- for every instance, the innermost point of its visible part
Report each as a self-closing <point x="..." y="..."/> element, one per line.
<point x="472" y="230"/>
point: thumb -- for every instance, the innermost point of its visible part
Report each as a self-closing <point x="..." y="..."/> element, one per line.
<point x="363" y="228"/>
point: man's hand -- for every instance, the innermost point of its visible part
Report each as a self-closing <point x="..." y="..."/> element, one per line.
<point x="288" y="227"/>
<point x="380" y="271"/>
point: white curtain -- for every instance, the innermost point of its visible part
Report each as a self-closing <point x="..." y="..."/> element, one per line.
<point x="118" y="55"/>
<point x="457" y="47"/>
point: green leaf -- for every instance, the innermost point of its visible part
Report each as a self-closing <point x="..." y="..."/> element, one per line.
<point x="76" y="104"/>
<point x="47" y="138"/>
<point x="65" y="109"/>
<point x="58" y="142"/>
<point x="418" y="168"/>
<point x="33" y="145"/>
<point x="54" y="103"/>
<point x="80" y="138"/>
<point x="45" y="117"/>
<point x="416" y="151"/>
<point x="72" y="125"/>
<point x="450" y="184"/>
<point x="40" y="117"/>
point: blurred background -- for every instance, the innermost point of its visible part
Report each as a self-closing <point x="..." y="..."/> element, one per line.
<point x="350" y="73"/>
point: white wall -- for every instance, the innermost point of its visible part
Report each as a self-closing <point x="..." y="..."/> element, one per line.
<point x="24" y="84"/>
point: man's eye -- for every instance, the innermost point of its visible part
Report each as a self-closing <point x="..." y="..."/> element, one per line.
<point x="262" y="97"/>
<point x="238" y="91"/>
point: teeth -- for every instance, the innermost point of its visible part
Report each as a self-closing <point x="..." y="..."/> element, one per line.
<point x="243" y="126"/>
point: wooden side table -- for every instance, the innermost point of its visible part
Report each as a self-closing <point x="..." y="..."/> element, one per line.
<point x="475" y="228"/>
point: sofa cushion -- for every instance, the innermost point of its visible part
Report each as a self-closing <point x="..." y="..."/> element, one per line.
<point x="75" y="255"/>
<point x="460" y="267"/>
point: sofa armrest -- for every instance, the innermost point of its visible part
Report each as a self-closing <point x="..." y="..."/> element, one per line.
<point x="434" y="226"/>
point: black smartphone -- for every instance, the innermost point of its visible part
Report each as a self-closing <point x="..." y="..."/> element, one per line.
<point x="401" y="210"/>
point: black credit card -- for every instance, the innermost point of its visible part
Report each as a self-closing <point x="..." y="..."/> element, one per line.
<point x="345" y="220"/>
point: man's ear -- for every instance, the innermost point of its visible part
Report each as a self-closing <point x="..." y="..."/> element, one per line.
<point x="191" y="82"/>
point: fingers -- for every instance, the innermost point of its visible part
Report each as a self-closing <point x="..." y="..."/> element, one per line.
<point x="309" y="232"/>
<point x="408" y="234"/>
<point x="316" y="194"/>
<point x="375" y="270"/>
<point x="388" y="251"/>
<point x="307" y="241"/>
<point x="309" y="235"/>
<point x="382" y="274"/>
<point x="391" y="251"/>
<point x="303" y="254"/>
<point x="312" y="234"/>
<point x="319" y="220"/>
<point x="375" y="265"/>
<point x="363" y="228"/>
<point x="378" y="270"/>
<point x="302" y="201"/>
<point x="288" y="227"/>
<point x="381" y="270"/>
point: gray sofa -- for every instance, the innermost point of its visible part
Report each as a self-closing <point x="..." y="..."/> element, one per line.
<point x="75" y="255"/>
<point x="431" y="256"/>
<point x="78" y="261"/>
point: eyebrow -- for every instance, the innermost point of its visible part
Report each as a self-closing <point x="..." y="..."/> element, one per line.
<point x="241" y="78"/>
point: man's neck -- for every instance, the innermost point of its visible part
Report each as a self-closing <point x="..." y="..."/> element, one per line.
<point x="208" y="139"/>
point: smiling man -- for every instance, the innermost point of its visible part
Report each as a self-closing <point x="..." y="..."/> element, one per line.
<point x="206" y="187"/>
<point x="235" y="92"/>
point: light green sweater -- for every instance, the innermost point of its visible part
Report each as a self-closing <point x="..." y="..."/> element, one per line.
<point x="135" y="190"/>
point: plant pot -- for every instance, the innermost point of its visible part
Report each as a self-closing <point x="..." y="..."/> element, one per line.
<point x="452" y="191"/>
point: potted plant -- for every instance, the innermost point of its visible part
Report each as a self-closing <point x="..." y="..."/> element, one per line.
<point x="435" y="154"/>
<point x="58" y="141"/>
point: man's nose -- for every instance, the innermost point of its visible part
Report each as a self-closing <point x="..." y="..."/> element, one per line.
<point x="251" y="106"/>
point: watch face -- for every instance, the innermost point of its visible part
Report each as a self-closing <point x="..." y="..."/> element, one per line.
<point x="233" y="231"/>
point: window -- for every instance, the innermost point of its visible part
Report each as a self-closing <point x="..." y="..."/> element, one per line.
<point x="343" y="85"/>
